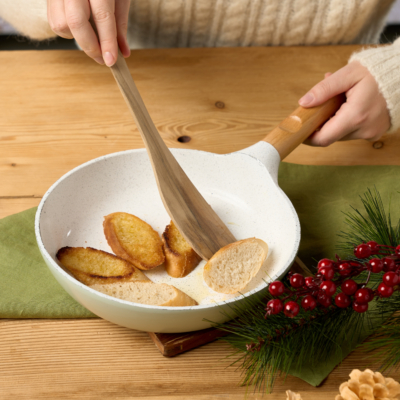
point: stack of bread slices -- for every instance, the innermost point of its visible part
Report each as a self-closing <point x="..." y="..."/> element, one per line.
<point x="138" y="247"/>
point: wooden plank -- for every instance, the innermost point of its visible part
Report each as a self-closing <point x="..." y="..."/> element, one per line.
<point x="78" y="113"/>
<point x="59" y="109"/>
<point x="13" y="205"/>
<point x="94" y="359"/>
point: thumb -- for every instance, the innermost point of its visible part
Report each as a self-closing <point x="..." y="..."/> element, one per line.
<point x="339" y="82"/>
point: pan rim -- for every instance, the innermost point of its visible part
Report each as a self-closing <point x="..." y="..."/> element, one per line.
<point x="75" y="282"/>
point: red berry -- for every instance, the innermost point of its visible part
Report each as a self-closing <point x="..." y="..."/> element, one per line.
<point x="360" y="308"/>
<point x="345" y="269"/>
<point x="362" y="296"/>
<point x="308" y="303"/>
<point x="397" y="250"/>
<point x="276" y="288"/>
<point x="349" y="287"/>
<point x="324" y="299"/>
<point x="328" y="287"/>
<point x="362" y="251"/>
<point x="342" y="300"/>
<point x="309" y="281"/>
<point x="325" y="262"/>
<point x="375" y="265"/>
<point x="274" y="306"/>
<point x="388" y="264"/>
<point x="327" y="272"/>
<point x="291" y="309"/>
<point x="384" y="290"/>
<point x="373" y="246"/>
<point x="390" y="278"/>
<point x="297" y="280"/>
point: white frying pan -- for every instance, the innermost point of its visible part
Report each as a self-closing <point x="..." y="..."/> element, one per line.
<point x="241" y="187"/>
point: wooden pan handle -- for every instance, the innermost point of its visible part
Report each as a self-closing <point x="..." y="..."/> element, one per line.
<point x="299" y="125"/>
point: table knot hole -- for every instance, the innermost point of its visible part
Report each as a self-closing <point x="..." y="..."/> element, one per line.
<point x="184" y="139"/>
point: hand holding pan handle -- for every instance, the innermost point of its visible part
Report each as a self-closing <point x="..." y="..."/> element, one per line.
<point x="299" y="125"/>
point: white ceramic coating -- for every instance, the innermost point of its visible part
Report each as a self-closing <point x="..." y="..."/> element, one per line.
<point x="238" y="186"/>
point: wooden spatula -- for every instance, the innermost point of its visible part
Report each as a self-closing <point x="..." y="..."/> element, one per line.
<point x="196" y="220"/>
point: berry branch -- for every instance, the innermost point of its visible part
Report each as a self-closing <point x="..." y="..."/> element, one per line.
<point x="318" y="291"/>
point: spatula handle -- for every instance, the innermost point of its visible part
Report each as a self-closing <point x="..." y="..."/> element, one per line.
<point x="299" y="125"/>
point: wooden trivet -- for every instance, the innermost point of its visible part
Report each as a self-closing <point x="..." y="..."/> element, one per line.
<point x="172" y="344"/>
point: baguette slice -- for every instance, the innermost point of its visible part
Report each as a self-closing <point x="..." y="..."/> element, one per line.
<point x="155" y="294"/>
<point x="231" y="268"/>
<point x="91" y="266"/>
<point x="133" y="240"/>
<point x="180" y="258"/>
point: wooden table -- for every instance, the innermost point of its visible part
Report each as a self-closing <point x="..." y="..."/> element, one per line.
<point x="59" y="109"/>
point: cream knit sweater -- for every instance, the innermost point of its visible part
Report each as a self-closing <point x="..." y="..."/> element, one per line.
<point x="199" y="23"/>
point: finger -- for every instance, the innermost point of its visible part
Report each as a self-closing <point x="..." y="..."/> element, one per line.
<point x="328" y="74"/>
<point x="77" y="14"/>
<point x="339" y="126"/>
<point x="57" y="18"/>
<point x="121" y="17"/>
<point x="339" y="82"/>
<point x="103" y="13"/>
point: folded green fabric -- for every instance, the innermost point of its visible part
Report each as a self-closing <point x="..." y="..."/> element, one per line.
<point x="27" y="287"/>
<point x="319" y="194"/>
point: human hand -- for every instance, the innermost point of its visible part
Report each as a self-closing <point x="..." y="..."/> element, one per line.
<point x="70" y="19"/>
<point x="364" y="115"/>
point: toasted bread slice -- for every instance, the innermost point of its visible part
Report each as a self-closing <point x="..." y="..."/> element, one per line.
<point x="155" y="294"/>
<point x="91" y="266"/>
<point x="133" y="240"/>
<point x="180" y="258"/>
<point x="231" y="268"/>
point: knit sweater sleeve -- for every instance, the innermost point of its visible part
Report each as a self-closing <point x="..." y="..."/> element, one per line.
<point x="28" y="17"/>
<point x="384" y="65"/>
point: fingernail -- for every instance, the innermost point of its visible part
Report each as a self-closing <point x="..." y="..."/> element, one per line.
<point x="99" y="60"/>
<point x="108" y="58"/>
<point x="306" y="99"/>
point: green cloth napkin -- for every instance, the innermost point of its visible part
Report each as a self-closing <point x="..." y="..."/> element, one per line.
<point x="27" y="287"/>
<point x="319" y="194"/>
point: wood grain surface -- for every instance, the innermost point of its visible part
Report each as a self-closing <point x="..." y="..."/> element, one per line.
<point x="59" y="109"/>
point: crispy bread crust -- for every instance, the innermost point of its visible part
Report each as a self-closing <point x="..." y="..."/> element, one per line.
<point x="117" y="247"/>
<point x="130" y="272"/>
<point x="176" y="264"/>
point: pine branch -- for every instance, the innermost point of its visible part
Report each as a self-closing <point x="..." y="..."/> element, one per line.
<point x="267" y="348"/>
<point x="281" y="344"/>
<point x="385" y="342"/>
<point x="376" y="225"/>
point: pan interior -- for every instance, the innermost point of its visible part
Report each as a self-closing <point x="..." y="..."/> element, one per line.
<point x="237" y="186"/>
